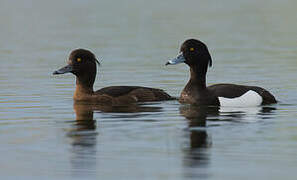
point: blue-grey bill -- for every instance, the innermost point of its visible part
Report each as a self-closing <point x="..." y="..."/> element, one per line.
<point x="63" y="70"/>
<point x="179" y="59"/>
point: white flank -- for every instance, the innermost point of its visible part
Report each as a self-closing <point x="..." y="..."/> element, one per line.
<point x="250" y="98"/>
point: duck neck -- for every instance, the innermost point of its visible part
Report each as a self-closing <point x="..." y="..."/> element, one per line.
<point x="84" y="85"/>
<point x="198" y="76"/>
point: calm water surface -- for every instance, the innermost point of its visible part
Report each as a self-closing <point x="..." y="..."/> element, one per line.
<point x="44" y="135"/>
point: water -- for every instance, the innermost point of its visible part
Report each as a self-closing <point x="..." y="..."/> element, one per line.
<point x="43" y="134"/>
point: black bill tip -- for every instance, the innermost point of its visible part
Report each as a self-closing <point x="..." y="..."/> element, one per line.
<point x="63" y="70"/>
<point x="56" y="72"/>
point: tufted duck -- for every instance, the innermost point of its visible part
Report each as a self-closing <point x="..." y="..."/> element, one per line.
<point x="195" y="54"/>
<point x="82" y="63"/>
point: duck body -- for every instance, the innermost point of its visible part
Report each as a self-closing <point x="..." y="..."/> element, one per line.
<point x="141" y="94"/>
<point x="122" y="95"/>
<point x="82" y="63"/>
<point x="195" y="54"/>
<point x="227" y="95"/>
<point x="233" y="91"/>
<point x="192" y="94"/>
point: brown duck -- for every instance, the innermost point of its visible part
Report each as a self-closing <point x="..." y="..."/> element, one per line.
<point x="83" y="64"/>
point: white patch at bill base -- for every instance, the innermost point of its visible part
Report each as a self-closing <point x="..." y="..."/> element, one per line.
<point x="248" y="99"/>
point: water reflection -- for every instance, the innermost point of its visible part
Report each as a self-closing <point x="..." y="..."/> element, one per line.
<point x="196" y="151"/>
<point x="133" y="108"/>
<point x="246" y="114"/>
<point x="84" y="139"/>
<point x="84" y="135"/>
<point x="196" y="154"/>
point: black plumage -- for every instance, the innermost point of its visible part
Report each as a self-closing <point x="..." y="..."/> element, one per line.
<point x="195" y="54"/>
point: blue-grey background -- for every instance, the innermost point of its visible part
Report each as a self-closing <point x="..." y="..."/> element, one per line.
<point x="251" y="42"/>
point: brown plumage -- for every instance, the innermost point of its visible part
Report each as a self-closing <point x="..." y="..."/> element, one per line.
<point x="82" y="63"/>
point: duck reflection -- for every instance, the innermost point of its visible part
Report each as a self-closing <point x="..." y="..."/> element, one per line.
<point x="196" y="152"/>
<point x="84" y="135"/>
<point x="245" y="114"/>
<point x="131" y="108"/>
<point x="84" y="138"/>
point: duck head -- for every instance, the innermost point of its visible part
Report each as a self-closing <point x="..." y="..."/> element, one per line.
<point x="194" y="53"/>
<point x="81" y="63"/>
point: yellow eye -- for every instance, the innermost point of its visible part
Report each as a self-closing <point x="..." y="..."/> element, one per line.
<point x="191" y="49"/>
<point x="78" y="59"/>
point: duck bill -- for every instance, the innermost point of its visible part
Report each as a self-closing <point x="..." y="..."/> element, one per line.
<point x="63" y="70"/>
<point x="179" y="59"/>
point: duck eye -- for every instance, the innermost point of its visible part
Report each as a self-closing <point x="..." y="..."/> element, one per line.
<point x="78" y="59"/>
<point x="192" y="49"/>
